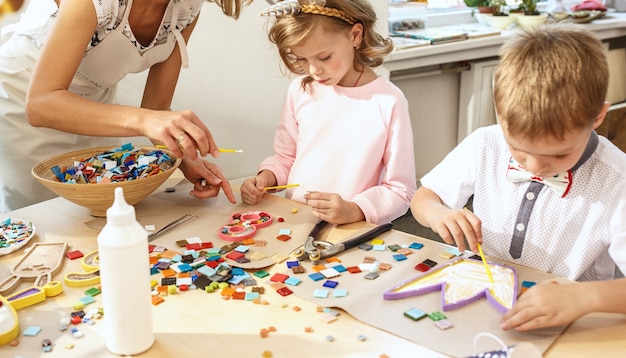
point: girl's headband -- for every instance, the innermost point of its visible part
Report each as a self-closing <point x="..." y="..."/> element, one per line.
<point x="293" y="7"/>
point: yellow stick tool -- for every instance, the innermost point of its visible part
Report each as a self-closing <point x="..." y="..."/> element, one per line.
<point x="482" y="256"/>
<point x="221" y="150"/>
<point x="280" y="186"/>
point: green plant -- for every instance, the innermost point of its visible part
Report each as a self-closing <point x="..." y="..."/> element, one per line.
<point x="529" y="7"/>
<point x="477" y="3"/>
<point x="498" y="7"/>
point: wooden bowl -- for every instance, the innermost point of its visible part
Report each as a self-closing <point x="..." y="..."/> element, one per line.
<point x="98" y="197"/>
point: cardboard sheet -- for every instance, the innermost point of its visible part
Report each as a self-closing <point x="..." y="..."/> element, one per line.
<point x="365" y="297"/>
<point x="216" y="212"/>
<point x="365" y="302"/>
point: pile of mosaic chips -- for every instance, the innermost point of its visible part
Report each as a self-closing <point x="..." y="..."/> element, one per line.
<point x="14" y="232"/>
<point x="120" y="164"/>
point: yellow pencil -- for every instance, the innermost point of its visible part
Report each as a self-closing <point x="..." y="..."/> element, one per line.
<point x="280" y="186"/>
<point x="221" y="150"/>
<point x="482" y="256"/>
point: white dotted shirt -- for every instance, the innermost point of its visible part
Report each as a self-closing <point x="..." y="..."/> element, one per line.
<point x="581" y="236"/>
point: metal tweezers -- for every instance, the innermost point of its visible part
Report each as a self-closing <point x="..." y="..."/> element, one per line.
<point x="171" y="226"/>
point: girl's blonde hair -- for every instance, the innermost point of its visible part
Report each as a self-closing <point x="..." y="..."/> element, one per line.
<point x="289" y="31"/>
<point x="232" y="8"/>
<point x="550" y="80"/>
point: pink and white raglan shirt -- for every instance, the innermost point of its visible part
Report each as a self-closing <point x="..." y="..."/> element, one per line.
<point x="353" y="141"/>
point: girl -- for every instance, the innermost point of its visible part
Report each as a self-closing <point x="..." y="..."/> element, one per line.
<point x="60" y="68"/>
<point x="344" y="135"/>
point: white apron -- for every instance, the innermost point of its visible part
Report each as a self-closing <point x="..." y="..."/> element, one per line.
<point x="22" y="145"/>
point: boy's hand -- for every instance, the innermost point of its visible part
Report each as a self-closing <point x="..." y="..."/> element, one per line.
<point x="546" y="305"/>
<point x="456" y="226"/>
<point x="331" y="208"/>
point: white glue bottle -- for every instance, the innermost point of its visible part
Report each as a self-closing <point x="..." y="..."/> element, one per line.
<point x="125" y="280"/>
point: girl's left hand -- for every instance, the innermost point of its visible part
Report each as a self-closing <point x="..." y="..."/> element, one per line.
<point x="207" y="179"/>
<point x="331" y="208"/>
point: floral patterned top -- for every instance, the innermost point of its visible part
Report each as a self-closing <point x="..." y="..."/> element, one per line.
<point x="111" y="12"/>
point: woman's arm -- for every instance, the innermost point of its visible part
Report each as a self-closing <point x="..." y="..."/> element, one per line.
<point x="50" y="104"/>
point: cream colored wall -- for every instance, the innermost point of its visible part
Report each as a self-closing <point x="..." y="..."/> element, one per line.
<point x="234" y="84"/>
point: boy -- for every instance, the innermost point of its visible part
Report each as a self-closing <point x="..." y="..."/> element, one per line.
<point x="549" y="193"/>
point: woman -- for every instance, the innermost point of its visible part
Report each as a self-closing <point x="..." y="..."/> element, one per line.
<point x="58" y="75"/>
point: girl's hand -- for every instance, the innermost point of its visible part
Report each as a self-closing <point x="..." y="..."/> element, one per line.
<point x="456" y="226"/>
<point x="252" y="189"/>
<point x="547" y="305"/>
<point x="331" y="208"/>
<point x="182" y="132"/>
<point x="207" y="179"/>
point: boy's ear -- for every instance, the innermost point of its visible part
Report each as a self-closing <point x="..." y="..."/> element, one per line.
<point x="601" y="115"/>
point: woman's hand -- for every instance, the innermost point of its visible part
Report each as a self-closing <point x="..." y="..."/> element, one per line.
<point x="207" y="179"/>
<point x="182" y="132"/>
<point x="331" y="208"/>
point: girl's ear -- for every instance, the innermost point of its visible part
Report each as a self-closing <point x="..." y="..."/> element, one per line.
<point x="357" y="34"/>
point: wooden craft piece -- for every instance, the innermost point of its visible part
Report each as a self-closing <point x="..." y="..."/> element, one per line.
<point x="38" y="264"/>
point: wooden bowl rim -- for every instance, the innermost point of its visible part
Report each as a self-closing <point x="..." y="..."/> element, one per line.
<point x="41" y="171"/>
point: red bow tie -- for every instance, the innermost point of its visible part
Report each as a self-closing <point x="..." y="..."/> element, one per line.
<point x="560" y="183"/>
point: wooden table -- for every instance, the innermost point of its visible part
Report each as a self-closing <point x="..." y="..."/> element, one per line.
<point x="194" y="322"/>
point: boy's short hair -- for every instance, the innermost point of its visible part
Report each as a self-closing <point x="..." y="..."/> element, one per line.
<point x="550" y="80"/>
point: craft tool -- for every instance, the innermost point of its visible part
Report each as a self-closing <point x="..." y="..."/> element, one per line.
<point x="221" y="150"/>
<point x="482" y="257"/>
<point x="281" y="186"/>
<point x="316" y="250"/>
<point x="174" y="224"/>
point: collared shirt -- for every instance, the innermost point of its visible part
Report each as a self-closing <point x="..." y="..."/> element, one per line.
<point x="581" y="236"/>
